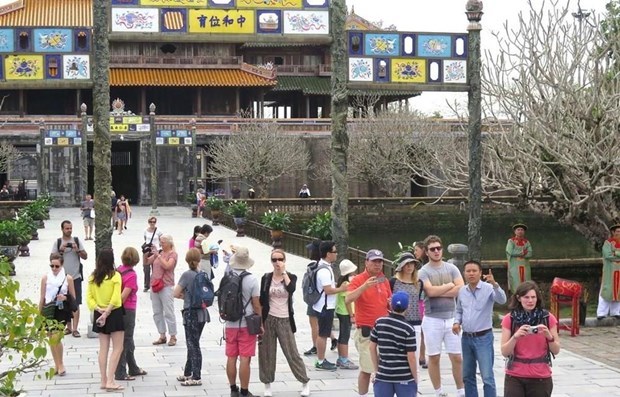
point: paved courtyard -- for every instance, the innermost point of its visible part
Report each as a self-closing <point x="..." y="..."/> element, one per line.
<point x="588" y="365"/>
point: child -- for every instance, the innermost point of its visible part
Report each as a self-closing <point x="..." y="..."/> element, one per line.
<point x="345" y="314"/>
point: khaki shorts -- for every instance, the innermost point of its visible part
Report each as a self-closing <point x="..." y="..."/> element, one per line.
<point x="363" y="348"/>
<point x="89" y="222"/>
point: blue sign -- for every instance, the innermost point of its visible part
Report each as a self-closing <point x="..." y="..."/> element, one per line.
<point x="53" y="40"/>
<point x="7" y="40"/>
<point x="434" y="46"/>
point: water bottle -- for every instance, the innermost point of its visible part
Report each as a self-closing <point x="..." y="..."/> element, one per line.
<point x="60" y="305"/>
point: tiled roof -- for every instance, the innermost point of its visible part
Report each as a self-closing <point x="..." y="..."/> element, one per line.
<point x="186" y="78"/>
<point x="51" y="13"/>
<point x="309" y="85"/>
<point x="313" y="85"/>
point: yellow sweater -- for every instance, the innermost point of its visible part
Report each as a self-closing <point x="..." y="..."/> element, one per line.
<point x="109" y="292"/>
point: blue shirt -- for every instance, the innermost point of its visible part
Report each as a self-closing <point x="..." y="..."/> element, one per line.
<point x="474" y="308"/>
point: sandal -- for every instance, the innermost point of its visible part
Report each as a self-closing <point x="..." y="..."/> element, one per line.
<point x="76" y="334"/>
<point x="126" y="378"/>
<point x="192" y="382"/>
<point x="160" y="341"/>
<point x="115" y="388"/>
<point x="141" y="372"/>
<point x="172" y="341"/>
<point x="67" y="331"/>
<point x="183" y="378"/>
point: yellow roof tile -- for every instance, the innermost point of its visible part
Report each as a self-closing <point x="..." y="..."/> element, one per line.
<point x="186" y="78"/>
<point x="51" y="13"/>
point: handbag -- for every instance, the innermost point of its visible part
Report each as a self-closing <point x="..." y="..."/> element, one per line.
<point x="157" y="284"/>
<point x="254" y="322"/>
<point x="92" y="213"/>
<point x="49" y="309"/>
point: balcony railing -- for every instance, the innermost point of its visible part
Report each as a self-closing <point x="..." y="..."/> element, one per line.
<point x="304" y="70"/>
<point x="140" y="61"/>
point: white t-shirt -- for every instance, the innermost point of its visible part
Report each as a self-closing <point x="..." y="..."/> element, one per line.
<point x="325" y="276"/>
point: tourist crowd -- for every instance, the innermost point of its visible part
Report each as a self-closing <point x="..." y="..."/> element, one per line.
<point x="402" y="324"/>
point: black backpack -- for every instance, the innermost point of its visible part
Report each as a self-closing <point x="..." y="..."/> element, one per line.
<point x="230" y="297"/>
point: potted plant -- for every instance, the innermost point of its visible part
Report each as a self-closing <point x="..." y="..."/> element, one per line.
<point x="278" y="222"/>
<point x="12" y="233"/>
<point x="27" y="229"/>
<point x="239" y="210"/>
<point x="320" y="226"/>
<point x="38" y="211"/>
<point x="215" y="205"/>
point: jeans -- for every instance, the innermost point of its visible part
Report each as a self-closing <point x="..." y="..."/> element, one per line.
<point x="402" y="389"/>
<point x="478" y="349"/>
<point x="127" y="356"/>
<point x="193" y="331"/>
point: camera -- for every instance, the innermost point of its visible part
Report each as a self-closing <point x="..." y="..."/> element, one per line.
<point x="69" y="245"/>
<point x="146" y="248"/>
<point x="533" y="330"/>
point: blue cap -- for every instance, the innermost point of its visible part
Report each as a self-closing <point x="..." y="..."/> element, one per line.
<point x="400" y="301"/>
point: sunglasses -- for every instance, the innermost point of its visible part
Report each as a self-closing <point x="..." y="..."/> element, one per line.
<point x="435" y="249"/>
<point x="152" y="221"/>
<point x="55" y="266"/>
<point x="274" y="260"/>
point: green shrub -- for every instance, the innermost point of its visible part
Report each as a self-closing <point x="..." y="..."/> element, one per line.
<point x="276" y="220"/>
<point x="238" y="209"/>
<point x="214" y="203"/>
<point x="14" y="232"/>
<point x="320" y="226"/>
<point x="24" y="338"/>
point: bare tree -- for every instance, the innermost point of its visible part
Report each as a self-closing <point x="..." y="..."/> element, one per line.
<point x="260" y="152"/>
<point x="8" y="154"/>
<point x="380" y="150"/>
<point x="553" y="81"/>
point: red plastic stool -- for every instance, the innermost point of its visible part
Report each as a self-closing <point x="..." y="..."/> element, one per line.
<point x="566" y="292"/>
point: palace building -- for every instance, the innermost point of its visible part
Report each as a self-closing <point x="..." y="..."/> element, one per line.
<point x="201" y="60"/>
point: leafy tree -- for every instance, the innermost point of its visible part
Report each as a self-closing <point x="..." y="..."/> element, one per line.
<point x="23" y="334"/>
<point x="260" y="153"/>
<point x="558" y="150"/>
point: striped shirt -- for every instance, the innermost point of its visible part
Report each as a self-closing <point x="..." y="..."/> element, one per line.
<point x="394" y="337"/>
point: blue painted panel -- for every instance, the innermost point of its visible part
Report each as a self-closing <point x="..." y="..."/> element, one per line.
<point x="382" y="70"/>
<point x="125" y="2"/>
<point x="79" y="44"/>
<point x="381" y="44"/>
<point x="458" y="50"/>
<point x="53" y="66"/>
<point x="434" y="46"/>
<point x="52" y="40"/>
<point x="173" y="20"/>
<point x="356" y="43"/>
<point x="23" y="40"/>
<point x="407" y="45"/>
<point x="269" y="21"/>
<point x="434" y="70"/>
<point x="1" y="70"/>
<point x="7" y="40"/>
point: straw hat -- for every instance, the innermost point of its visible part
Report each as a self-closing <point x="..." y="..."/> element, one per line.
<point x="241" y="259"/>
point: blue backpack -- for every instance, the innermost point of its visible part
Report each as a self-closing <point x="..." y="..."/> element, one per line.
<point x="202" y="292"/>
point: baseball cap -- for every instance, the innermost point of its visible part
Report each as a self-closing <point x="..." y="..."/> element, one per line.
<point x="374" y="254"/>
<point x="400" y="301"/>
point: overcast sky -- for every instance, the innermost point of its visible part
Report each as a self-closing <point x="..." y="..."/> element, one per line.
<point x="449" y="16"/>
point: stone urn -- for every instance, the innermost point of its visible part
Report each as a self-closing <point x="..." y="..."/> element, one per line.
<point x="276" y="238"/>
<point x="240" y="223"/>
<point x="215" y="215"/>
<point x="10" y="252"/>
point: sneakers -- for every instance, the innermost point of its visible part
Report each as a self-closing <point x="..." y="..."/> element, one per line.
<point x="334" y="344"/>
<point x="267" y="392"/>
<point x="310" y="352"/>
<point x="325" y="366"/>
<point x="305" y="391"/>
<point x="346" y="364"/>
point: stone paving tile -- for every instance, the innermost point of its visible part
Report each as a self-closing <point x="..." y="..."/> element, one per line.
<point x="574" y="374"/>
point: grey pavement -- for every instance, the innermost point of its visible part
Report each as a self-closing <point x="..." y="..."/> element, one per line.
<point x="574" y="375"/>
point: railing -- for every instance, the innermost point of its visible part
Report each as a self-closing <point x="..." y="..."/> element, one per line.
<point x="304" y="70"/>
<point x="295" y="243"/>
<point x="137" y="61"/>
